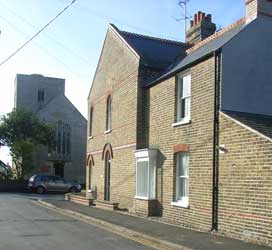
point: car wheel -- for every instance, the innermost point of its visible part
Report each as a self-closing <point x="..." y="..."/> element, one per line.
<point x="73" y="190"/>
<point x="40" y="190"/>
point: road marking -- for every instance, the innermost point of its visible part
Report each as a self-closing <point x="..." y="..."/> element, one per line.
<point x="143" y="239"/>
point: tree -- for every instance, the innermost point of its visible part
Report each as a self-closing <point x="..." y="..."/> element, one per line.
<point x="22" y="131"/>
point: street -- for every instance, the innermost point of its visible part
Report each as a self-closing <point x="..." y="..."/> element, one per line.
<point x="27" y="226"/>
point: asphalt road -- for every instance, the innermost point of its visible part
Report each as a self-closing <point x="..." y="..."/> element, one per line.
<point x="26" y="226"/>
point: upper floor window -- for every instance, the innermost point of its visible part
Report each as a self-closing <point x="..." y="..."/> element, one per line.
<point x="91" y="122"/>
<point x="40" y="95"/>
<point x="108" y="114"/>
<point x="183" y="98"/>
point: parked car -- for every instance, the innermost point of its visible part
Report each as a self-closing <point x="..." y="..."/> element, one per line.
<point x="44" y="183"/>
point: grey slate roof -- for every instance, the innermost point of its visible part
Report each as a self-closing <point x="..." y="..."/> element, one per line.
<point x="154" y="52"/>
<point x="260" y="123"/>
<point x="200" y="53"/>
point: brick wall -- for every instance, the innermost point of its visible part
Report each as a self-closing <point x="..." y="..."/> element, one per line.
<point x="117" y="74"/>
<point x="198" y="135"/>
<point x="245" y="189"/>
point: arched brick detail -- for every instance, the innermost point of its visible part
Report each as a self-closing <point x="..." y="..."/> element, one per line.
<point x="107" y="148"/>
<point x="90" y="160"/>
<point x="108" y="94"/>
<point x="181" y="148"/>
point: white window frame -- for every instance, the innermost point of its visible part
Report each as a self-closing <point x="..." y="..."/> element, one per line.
<point x="181" y="201"/>
<point x="181" y="97"/>
<point x="150" y="156"/>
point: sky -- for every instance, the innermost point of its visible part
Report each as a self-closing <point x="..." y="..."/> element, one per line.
<point x="70" y="47"/>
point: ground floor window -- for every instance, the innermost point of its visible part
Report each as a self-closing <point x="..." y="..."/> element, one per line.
<point x="182" y="179"/>
<point x="146" y="174"/>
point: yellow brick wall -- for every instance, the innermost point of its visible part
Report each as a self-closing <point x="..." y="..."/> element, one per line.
<point x="245" y="189"/>
<point x="198" y="134"/>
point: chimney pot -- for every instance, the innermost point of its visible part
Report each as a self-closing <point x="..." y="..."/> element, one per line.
<point x="195" y="19"/>
<point x="199" y="14"/>
<point x="209" y="17"/>
<point x="201" y="28"/>
<point x="203" y="17"/>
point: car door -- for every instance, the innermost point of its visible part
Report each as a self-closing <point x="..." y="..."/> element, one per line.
<point x="60" y="184"/>
<point x="51" y="183"/>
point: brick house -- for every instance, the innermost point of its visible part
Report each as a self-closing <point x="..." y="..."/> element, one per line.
<point x="183" y="131"/>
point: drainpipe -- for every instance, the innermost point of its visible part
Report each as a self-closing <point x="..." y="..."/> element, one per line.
<point x="215" y="189"/>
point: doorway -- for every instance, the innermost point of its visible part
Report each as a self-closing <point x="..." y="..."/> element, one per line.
<point x="107" y="177"/>
<point x="59" y="169"/>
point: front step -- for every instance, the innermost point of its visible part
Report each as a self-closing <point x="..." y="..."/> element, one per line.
<point x="106" y="205"/>
<point x="79" y="199"/>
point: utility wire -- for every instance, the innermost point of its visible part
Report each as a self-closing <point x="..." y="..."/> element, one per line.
<point x="37" y="33"/>
<point x="83" y="59"/>
<point x="92" y="12"/>
<point x="67" y="68"/>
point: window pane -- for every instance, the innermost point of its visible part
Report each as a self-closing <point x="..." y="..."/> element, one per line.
<point x="187" y="86"/>
<point x="182" y="108"/>
<point x="152" y="180"/>
<point x="142" y="178"/>
<point x="183" y="188"/>
<point x="183" y="97"/>
<point x="187" y="104"/>
<point x="91" y="122"/>
<point x="182" y="179"/>
<point x="180" y="89"/>
<point x="108" y="114"/>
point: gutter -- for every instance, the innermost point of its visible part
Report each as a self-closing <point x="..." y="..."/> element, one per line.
<point x="217" y="94"/>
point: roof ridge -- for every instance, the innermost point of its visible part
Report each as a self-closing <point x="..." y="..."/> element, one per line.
<point x="154" y="38"/>
<point x="216" y="34"/>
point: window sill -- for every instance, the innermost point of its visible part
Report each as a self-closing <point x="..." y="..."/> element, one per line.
<point x="90" y="137"/>
<point x="107" y="131"/>
<point x="143" y="198"/>
<point x="182" y="204"/>
<point x="182" y="122"/>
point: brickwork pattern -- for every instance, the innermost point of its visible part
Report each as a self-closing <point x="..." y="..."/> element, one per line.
<point x="117" y="75"/>
<point x="198" y="135"/>
<point x="245" y="189"/>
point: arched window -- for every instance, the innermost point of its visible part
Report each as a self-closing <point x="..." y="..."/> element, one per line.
<point x="91" y="122"/>
<point x="108" y="114"/>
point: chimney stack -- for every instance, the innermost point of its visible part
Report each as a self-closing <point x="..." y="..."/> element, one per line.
<point x="256" y="8"/>
<point x="201" y="27"/>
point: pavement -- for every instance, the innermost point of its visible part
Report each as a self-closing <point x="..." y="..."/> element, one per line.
<point x="26" y="226"/>
<point x="153" y="233"/>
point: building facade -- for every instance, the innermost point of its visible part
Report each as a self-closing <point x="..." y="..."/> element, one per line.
<point x="45" y="96"/>
<point x="182" y="131"/>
